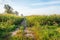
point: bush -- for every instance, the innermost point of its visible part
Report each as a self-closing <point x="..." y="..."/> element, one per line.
<point x="43" y="20"/>
<point x="8" y="23"/>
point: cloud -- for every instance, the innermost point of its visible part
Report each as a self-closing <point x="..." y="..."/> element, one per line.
<point x="1" y="9"/>
<point x="46" y="3"/>
<point x="27" y="10"/>
<point x="42" y="11"/>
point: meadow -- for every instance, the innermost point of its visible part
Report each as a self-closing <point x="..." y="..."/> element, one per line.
<point x="43" y="27"/>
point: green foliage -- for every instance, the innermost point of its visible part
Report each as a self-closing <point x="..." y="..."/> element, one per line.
<point x="43" y="20"/>
<point x="45" y="27"/>
<point x="42" y="27"/>
<point x="45" y="33"/>
<point x="20" y="35"/>
<point x="8" y="23"/>
<point x="40" y="33"/>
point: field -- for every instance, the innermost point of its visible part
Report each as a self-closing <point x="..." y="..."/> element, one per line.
<point x="42" y="27"/>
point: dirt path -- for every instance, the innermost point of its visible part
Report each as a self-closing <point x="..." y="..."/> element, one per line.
<point x="28" y="33"/>
<point x="18" y="27"/>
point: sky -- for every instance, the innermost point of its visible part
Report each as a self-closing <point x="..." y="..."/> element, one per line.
<point x="33" y="7"/>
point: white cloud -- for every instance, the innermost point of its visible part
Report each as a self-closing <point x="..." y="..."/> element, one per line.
<point x="37" y="11"/>
<point x="42" y="11"/>
<point x="46" y="3"/>
<point x="1" y="8"/>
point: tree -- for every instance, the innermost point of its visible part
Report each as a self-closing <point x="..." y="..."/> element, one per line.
<point x="16" y="13"/>
<point x="8" y="9"/>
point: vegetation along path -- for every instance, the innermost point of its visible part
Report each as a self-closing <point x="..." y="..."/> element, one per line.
<point x="27" y="32"/>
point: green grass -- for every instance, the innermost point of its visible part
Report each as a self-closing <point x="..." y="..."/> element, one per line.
<point x="43" y="27"/>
